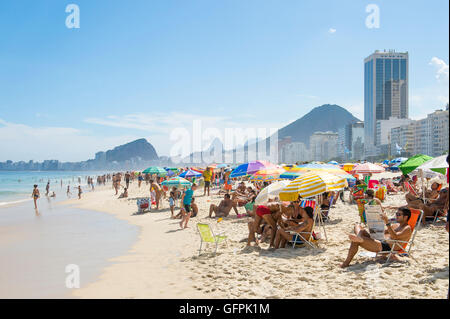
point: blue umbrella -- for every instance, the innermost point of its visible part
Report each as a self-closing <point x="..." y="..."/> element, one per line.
<point x="190" y="173"/>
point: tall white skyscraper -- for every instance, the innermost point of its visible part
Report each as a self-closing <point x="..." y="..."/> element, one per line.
<point x="385" y="92"/>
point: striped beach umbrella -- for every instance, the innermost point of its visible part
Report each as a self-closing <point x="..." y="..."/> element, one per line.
<point x="267" y="174"/>
<point x="327" y="168"/>
<point x="312" y="184"/>
<point x="367" y="168"/>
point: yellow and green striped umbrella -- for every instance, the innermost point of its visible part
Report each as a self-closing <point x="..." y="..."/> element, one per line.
<point x="312" y="184"/>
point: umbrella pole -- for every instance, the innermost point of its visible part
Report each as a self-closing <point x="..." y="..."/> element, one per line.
<point x="320" y="220"/>
<point x="423" y="185"/>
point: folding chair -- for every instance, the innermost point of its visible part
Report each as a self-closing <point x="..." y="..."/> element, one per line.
<point x="411" y="189"/>
<point x="401" y="247"/>
<point x="207" y="236"/>
<point x="300" y="237"/>
<point x="326" y="212"/>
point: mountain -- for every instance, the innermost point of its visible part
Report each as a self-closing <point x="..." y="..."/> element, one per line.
<point x="321" y="119"/>
<point x="137" y="149"/>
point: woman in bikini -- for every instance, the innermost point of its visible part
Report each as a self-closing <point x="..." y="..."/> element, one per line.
<point x="35" y="195"/>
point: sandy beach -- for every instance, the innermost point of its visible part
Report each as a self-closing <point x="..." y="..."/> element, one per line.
<point x="164" y="261"/>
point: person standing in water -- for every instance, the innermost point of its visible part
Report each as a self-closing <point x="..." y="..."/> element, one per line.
<point x="79" y="192"/>
<point x="47" y="188"/>
<point x="35" y="195"/>
<point x="68" y="191"/>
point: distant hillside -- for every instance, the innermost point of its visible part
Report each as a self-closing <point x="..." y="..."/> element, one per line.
<point x="136" y="149"/>
<point x="321" y="119"/>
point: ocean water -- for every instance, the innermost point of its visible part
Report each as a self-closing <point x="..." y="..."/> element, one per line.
<point x="17" y="186"/>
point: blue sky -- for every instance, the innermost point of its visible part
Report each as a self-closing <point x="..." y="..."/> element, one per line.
<point x="141" y="68"/>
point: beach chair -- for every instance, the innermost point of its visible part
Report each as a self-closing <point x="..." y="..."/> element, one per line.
<point x="410" y="189"/>
<point x="207" y="236"/>
<point x="326" y="212"/>
<point x="361" y="209"/>
<point x="299" y="238"/>
<point x="403" y="248"/>
<point x="143" y="205"/>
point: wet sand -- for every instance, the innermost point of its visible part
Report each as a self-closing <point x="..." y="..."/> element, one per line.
<point x="35" y="249"/>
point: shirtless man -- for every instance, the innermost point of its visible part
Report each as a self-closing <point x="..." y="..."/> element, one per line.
<point x="401" y="231"/>
<point x="158" y="192"/>
<point x="224" y="208"/>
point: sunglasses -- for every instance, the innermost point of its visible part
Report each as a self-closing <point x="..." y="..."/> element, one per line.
<point x="398" y="214"/>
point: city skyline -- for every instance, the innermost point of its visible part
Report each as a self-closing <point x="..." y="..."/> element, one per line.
<point x="141" y="71"/>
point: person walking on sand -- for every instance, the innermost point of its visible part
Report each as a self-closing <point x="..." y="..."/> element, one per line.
<point x="79" y="192"/>
<point x="47" y="188"/>
<point x="68" y="191"/>
<point x="187" y="200"/>
<point x="35" y="195"/>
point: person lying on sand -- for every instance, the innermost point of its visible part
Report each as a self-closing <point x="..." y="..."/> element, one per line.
<point x="224" y="207"/>
<point x="283" y="235"/>
<point x="361" y="238"/>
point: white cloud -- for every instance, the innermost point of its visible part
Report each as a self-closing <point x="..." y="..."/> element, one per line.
<point x="23" y="142"/>
<point x="442" y="69"/>
<point x="331" y="30"/>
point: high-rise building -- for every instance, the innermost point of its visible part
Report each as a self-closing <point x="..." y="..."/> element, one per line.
<point x="323" y="145"/>
<point x="385" y="92"/>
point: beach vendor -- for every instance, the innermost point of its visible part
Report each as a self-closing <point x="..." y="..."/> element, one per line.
<point x="207" y="174"/>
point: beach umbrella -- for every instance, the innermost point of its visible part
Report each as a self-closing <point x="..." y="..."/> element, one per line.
<point x="438" y="164"/>
<point x="173" y="169"/>
<point x="333" y="163"/>
<point x="348" y="167"/>
<point x="177" y="182"/>
<point x="271" y="172"/>
<point x="312" y="184"/>
<point x="270" y="191"/>
<point x="412" y="163"/>
<point x="263" y="178"/>
<point x="155" y="170"/>
<point x="291" y="175"/>
<point x="190" y="173"/>
<point x="221" y="166"/>
<point x="251" y="168"/>
<point x="328" y="168"/>
<point x="367" y="168"/>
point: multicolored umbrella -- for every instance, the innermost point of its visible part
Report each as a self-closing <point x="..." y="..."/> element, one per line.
<point x="251" y="168"/>
<point x="267" y="174"/>
<point x="177" y="182"/>
<point x="155" y="170"/>
<point x="270" y="191"/>
<point x="367" y="168"/>
<point x="312" y="184"/>
<point x="262" y="178"/>
<point x="328" y="168"/>
<point x="190" y="173"/>
<point x="413" y="162"/>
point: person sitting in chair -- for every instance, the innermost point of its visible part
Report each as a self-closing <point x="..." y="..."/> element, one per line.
<point x="361" y="237"/>
<point x="304" y="226"/>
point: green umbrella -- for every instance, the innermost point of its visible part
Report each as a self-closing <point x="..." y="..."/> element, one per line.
<point x="155" y="170"/>
<point x="412" y="163"/>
